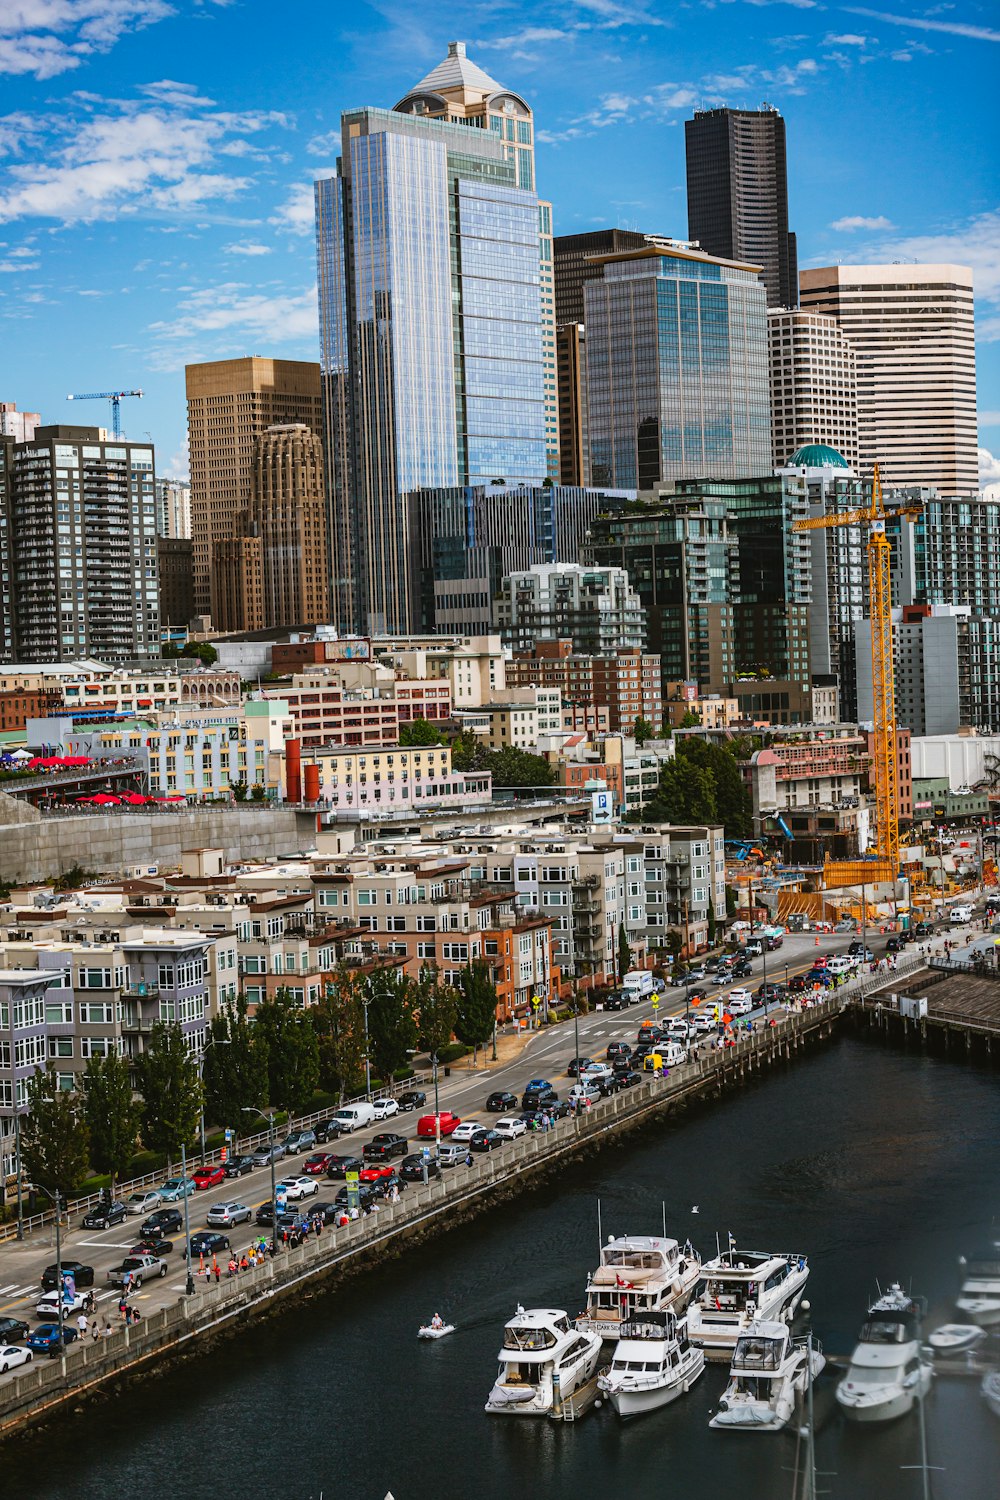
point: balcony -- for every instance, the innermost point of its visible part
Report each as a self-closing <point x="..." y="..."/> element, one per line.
<point x="141" y="991"/>
<point x="136" y="1025"/>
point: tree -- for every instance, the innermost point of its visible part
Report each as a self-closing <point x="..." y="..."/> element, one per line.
<point x="201" y="651"/>
<point x="712" y="925"/>
<point x="685" y="795"/>
<point x="235" y="1066"/>
<point x="624" y="953"/>
<point x="55" y="1141"/>
<point x="675" y="942"/>
<point x="113" y="1114"/>
<point x="468" y="753"/>
<point x="477" y="1004"/>
<point x="171" y="1091"/>
<point x="419" y="732"/>
<point x="238" y="787"/>
<point x="689" y="719"/>
<point x="734" y="808"/>
<point x="511" y="767"/>
<point x="339" y="1024"/>
<point x="292" y="1052"/>
<point x="258" y="792"/>
<point x="642" y="730"/>
<point x="392" y="1029"/>
<point x="436" y="1008"/>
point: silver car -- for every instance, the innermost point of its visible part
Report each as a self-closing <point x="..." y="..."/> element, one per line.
<point x="224" y="1215"/>
<point x="264" y="1155"/>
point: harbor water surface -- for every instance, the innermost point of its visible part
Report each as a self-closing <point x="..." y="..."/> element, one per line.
<point x="878" y="1166"/>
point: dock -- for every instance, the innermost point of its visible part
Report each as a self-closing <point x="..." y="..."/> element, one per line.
<point x="577" y="1405"/>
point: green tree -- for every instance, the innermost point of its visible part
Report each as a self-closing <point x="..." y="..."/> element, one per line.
<point x="419" y="732"/>
<point x="685" y="795"/>
<point x="436" y="1008"/>
<point x="732" y="901"/>
<point x="113" y="1114"/>
<point x="689" y="719"/>
<point x="642" y="730"/>
<point x="235" y="1066"/>
<point x="392" y="1028"/>
<point x="712" y="925"/>
<point x="201" y="651"/>
<point x="468" y="753"/>
<point x="511" y="767"/>
<point x="477" y="1004"/>
<point x="238" y="787"/>
<point x="292" y="1052"/>
<point x="624" y="952"/>
<point x="732" y="797"/>
<point x="258" y="792"/>
<point x="339" y="1024"/>
<point x="167" y="1076"/>
<point x="675" y="942"/>
<point x="55" y="1141"/>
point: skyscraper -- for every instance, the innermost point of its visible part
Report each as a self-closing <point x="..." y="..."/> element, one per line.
<point x="676" y="368"/>
<point x="230" y="403"/>
<point x="814" y="388"/>
<point x="435" y="368"/>
<point x="912" y="330"/>
<point x="737" y="192"/>
<point x="576" y="261"/>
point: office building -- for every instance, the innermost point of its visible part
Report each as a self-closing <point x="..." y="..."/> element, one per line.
<point x="950" y="554"/>
<point x="173" y="507"/>
<point x="596" y="608"/>
<point x="230" y="402"/>
<point x="737" y="193"/>
<point x="436" y="368"/>
<point x="625" y="683"/>
<point x="175" y="562"/>
<point x="19" y="425"/>
<point x="577" y="259"/>
<point x="946" y="669"/>
<point x="814" y="392"/>
<point x="912" y="330"/>
<point x="677" y="368"/>
<point x="571" y="404"/>
<point x="78" y="547"/>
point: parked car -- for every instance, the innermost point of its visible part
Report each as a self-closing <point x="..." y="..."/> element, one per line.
<point x="238" y="1166"/>
<point x="502" y="1100"/>
<point x="317" y="1164"/>
<point x="412" y="1168"/>
<point x="743" y="969"/>
<point x="142" y="1203"/>
<point x="298" y="1141"/>
<point x="208" y="1242"/>
<point x="616" y="1000"/>
<point x="486" y="1140"/>
<point x="427" y="1126"/>
<point x="327" y="1130"/>
<point x="509" y="1127"/>
<point x="12" y="1330"/>
<point x="103" y="1215"/>
<point x="463" y="1133"/>
<point x="209" y="1176"/>
<point x="11" y="1355"/>
<point x="618" y="1049"/>
<point x="384" y="1146"/>
<point x="175" y="1188"/>
<point x="47" y="1307"/>
<point x="452" y="1155"/>
<point x="385" y="1108"/>
<point x="412" y="1099"/>
<point x="163" y="1221"/>
<point x="296" y="1188"/>
<point x="324" y="1210"/>
<point x="225" y="1215"/>
<point x="574" y="1066"/>
<point x="151" y="1246"/>
<point x="584" y="1093"/>
<point x="266" y="1154"/>
<point x="366" y="1196"/>
<point x="340" y="1165"/>
<point x="739" y="1005"/>
<point x="45" y="1339"/>
<point x="538" y="1098"/>
<point x="82" y="1276"/>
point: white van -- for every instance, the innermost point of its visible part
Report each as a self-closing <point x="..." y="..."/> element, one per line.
<point x="839" y="965"/>
<point x="354" y="1116"/>
<point x="959" y="914"/>
<point x="638" y="985"/>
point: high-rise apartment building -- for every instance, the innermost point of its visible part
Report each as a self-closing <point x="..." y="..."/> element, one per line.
<point x="438" y="355"/>
<point x="173" y="508"/>
<point x="945" y="669"/>
<point x="19" y="425"/>
<point x="677" y="368"/>
<point x="737" y="193"/>
<point x="912" y="330"/>
<point x="571" y="353"/>
<point x="230" y="403"/>
<point x="814" y="391"/>
<point x="595" y="608"/>
<point x="78" y="547"/>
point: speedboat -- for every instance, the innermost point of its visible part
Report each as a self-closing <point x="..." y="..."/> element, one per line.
<point x="980" y="1294"/>
<point x="736" y="1289"/>
<point x="652" y="1365"/>
<point x="888" y="1371"/>
<point x="770" y="1372"/>
<point x="956" y="1338"/>
<point x="991" y="1391"/>
<point x="434" y="1330"/>
<point x="638" y="1274"/>
<point x="544" y="1360"/>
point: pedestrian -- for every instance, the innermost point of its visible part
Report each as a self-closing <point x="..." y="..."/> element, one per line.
<point x="215" y="1268"/>
<point x="81" y="1324"/>
<point x="244" y="1263"/>
<point x="106" y="1331"/>
<point x="95" y="1331"/>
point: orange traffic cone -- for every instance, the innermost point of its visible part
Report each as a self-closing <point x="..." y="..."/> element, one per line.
<point x="816" y="940"/>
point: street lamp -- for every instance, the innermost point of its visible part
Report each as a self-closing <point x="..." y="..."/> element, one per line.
<point x="214" y="1041"/>
<point x="437" y="1111"/>
<point x="189" y="1283"/>
<point x="368" y="1062"/>
<point x="17" y="1168"/>
<point x="57" y="1204"/>
<point x="247" y="1110"/>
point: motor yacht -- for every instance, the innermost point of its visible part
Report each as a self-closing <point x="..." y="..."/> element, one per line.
<point x="736" y="1289"/>
<point x="769" y="1374"/>
<point x="888" y="1371"/>
<point x="638" y="1274"/>
<point x="653" y="1363"/>
<point x="544" y="1360"/>
<point x="991" y="1391"/>
<point x="956" y="1338"/>
<point x="980" y="1294"/>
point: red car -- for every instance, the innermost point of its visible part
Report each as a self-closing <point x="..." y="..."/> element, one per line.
<point x="426" y="1126"/>
<point x="207" y="1177"/>
<point x="316" y="1165"/>
<point x="373" y="1174"/>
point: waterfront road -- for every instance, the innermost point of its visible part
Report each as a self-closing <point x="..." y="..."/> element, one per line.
<point x="544" y="1053"/>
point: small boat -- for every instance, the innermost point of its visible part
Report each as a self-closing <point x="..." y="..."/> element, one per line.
<point x="434" y="1330"/>
<point x="888" y="1372"/>
<point x="991" y="1391"/>
<point x="638" y="1274"/>
<point x="544" y="1361"/>
<point x="769" y="1374"/>
<point x="736" y="1289"/>
<point x="653" y="1364"/>
<point x="979" y="1298"/>
<point x="956" y="1338"/>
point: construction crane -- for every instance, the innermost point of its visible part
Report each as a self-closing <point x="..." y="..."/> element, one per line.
<point x="116" y="398"/>
<point x="885" y="867"/>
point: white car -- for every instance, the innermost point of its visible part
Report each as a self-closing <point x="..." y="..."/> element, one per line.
<point x="48" y="1306"/>
<point x="298" y="1187"/>
<point x="12" y="1355"/>
<point x="143" y="1203"/>
<point x="510" y="1127"/>
<point x="463" y="1133"/>
<point x="385" y="1108"/>
<point x="678" y="1028"/>
<point x="739" y="997"/>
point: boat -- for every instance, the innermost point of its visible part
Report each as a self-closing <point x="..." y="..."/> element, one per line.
<point x="638" y="1274"/>
<point x="956" y="1338"/>
<point x="979" y="1298"/>
<point x="544" y="1360"/>
<point x="769" y="1375"/>
<point x="991" y="1391"/>
<point x="888" y="1371"/>
<point x="736" y="1289"/>
<point x="434" y="1330"/>
<point x="653" y="1363"/>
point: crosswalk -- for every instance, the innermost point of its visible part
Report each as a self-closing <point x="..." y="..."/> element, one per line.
<point x="18" y="1291"/>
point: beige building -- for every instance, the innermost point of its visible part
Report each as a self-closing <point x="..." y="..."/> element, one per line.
<point x="230" y="403"/>
<point x="473" y="665"/>
<point x="814" y="390"/>
<point x="912" y="330"/>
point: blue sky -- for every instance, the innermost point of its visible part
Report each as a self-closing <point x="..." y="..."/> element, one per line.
<point x="157" y="156"/>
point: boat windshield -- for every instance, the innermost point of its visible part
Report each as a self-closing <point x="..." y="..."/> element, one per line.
<point x="874" y="1374"/>
<point x="634" y="1260"/>
<point x="886" y="1330"/>
<point x="759" y="1353"/>
<point x="726" y="1296"/>
<point x="528" y="1338"/>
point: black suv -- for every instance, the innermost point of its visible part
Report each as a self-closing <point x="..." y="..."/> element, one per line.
<point x="12" y="1330"/>
<point x="618" y="1049"/>
<point x="238" y="1166"/>
<point x="538" y="1098"/>
<point x="743" y="969"/>
<point x="412" y="1168"/>
<point x="384" y="1147"/>
<point x="104" y="1215"/>
<point x="366" y="1196"/>
<point x="82" y="1275"/>
<point x="162" y="1221"/>
<point x="616" y="1000"/>
<point x="340" y="1166"/>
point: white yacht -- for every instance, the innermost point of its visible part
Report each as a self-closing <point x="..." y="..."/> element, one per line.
<point x="888" y="1371"/>
<point x="638" y="1274"/>
<point x="544" y="1360"/>
<point x="739" y="1287"/>
<point x="769" y="1374"/>
<point x="991" y="1391"/>
<point x="980" y="1294"/>
<point x="653" y="1364"/>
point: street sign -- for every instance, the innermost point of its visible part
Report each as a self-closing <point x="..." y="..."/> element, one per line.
<point x="353" y="1181"/>
<point x="656" y="1003"/>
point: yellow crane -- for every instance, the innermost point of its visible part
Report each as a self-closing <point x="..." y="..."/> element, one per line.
<point x="885" y="867"/>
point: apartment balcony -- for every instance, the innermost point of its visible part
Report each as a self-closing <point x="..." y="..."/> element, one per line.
<point x="137" y="1025"/>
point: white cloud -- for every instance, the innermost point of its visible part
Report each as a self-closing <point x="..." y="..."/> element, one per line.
<point x="247" y="247"/>
<point x="179" y="466"/>
<point x="49" y="37"/>
<point x="989" y="467"/>
<point x="9" y="266"/>
<point x="975" y="243"/>
<point x="860" y="221"/>
<point x="297" y="215"/>
<point x="912" y="23"/>
<point x="989" y="418"/>
<point x="845" y="39"/>
<point x="279" y="317"/>
<point x="324" y="145"/>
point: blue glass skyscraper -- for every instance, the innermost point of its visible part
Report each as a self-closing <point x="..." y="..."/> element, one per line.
<point x="430" y="319"/>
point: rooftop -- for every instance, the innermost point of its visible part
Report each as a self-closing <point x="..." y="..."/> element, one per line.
<point x="817" y="456"/>
<point x="457" y="72"/>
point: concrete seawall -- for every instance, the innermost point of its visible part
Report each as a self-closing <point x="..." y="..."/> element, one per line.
<point x="49" y="1387"/>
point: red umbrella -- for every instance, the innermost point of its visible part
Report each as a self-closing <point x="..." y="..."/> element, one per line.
<point x="105" y="799"/>
<point x="134" y="799"/>
<point x="174" y="797"/>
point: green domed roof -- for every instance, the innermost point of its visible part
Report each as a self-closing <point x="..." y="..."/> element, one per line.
<point x="817" y="456"/>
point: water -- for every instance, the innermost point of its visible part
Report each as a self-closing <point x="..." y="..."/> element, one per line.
<point x="877" y="1165"/>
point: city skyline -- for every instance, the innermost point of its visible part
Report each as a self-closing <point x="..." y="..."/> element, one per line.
<point x="156" y="182"/>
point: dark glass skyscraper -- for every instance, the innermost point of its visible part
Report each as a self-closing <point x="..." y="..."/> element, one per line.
<point x="737" y="192"/>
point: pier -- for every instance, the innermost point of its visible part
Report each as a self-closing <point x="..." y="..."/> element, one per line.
<point x="951" y="1009"/>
